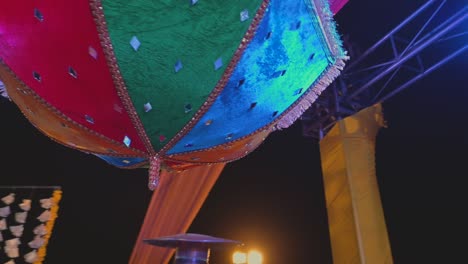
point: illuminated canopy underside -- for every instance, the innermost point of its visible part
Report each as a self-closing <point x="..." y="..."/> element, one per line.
<point x="192" y="84"/>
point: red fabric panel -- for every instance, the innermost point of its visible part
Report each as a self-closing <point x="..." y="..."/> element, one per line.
<point x="56" y="126"/>
<point x="49" y="47"/>
<point x="174" y="205"/>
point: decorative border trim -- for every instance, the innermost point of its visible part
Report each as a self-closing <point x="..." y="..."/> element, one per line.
<point x="334" y="44"/>
<point x="42" y="251"/>
<point x="245" y="153"/>
<point x="54" y="110"/>
<point x="134" y="166"/>
<point x="82" y="150"/>
<point x="326" y="22"/>
<point x="267" y="128"/>
<point x="300" y="106"/>
<point x="224" y="79"/>
<point x="122" y="92"/>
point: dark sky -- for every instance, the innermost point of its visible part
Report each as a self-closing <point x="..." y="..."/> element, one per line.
<point x="273" y="199"/>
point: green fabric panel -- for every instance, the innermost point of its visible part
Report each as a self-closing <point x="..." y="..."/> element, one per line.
<point x="170" y="31"/>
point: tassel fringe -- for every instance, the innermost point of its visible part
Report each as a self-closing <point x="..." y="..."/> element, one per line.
<point x="328" y="76"/>
<point x="304" y="103"/>
<point x="154" y="172"/>
<point x="3" y="91"/>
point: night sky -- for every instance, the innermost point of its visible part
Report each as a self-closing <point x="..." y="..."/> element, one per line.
<point x="273" y="199"/>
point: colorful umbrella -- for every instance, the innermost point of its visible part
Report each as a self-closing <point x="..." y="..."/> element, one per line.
<point x="169" y="84"/>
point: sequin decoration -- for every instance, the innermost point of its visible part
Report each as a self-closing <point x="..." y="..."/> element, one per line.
<point x="187" y="108"/>
<point x="312" y="56"/>
<point x="244" y="15"/>
<point x="118" y="108"/>
<point x="178" y="66"/>
<point x="72" y="72"/>
<point x="296" y="25"/>
<point x="278" y="74"/>
<point x="240" y="83"/>
<point x="127" y="141"/>
<point x="135" y="43"/>
<point x="38" y="15"/>
<point x="89" y="119"/>
<point x="37" y="76"/>
<point x="218" y="63"/>
<point x="92" y="52"/>
<point x="147" y="107"/>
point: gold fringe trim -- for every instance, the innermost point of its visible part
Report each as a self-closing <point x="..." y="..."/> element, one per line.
<point x="41" y="252"/>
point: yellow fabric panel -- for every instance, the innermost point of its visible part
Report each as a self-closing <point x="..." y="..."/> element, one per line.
<point x="356" y="219"/>
<point x="173" y="207"/>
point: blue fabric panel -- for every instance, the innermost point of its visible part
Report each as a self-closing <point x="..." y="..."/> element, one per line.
<point x="285" y="57"/>
<point x="121" y="162"/>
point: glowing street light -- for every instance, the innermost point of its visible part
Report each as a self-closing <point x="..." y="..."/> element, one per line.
<point x="254" y="257"/>
<point x="239" y="258"/>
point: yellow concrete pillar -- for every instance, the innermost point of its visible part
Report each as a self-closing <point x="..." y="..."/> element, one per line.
<point x="357" y="227"/>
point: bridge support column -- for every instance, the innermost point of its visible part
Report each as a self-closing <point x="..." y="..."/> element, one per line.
<point x="356" y="220"/>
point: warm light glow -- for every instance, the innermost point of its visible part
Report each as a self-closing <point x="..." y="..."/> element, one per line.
<point x="254" y="257"/>
<point x="239" y="257"/>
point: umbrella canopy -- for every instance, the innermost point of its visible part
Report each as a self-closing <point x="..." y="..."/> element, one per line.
<point x="167" y="84"/>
